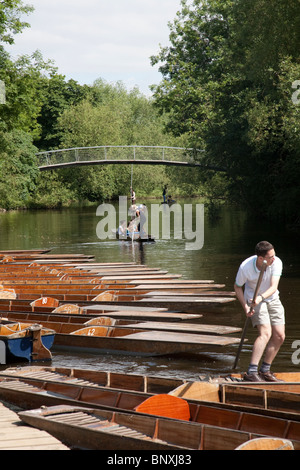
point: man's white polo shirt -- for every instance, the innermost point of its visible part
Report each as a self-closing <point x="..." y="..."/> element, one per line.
<point x="248" y="275"/>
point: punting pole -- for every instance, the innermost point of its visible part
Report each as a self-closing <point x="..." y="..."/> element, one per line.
<point x="263" y="268"/>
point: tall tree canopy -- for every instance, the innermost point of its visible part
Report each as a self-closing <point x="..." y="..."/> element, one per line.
<point x="11" y="12"/>
<point x="227" y="83"/>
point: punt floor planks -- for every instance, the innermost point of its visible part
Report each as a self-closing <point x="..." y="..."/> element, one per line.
<point x="15" y="435"/>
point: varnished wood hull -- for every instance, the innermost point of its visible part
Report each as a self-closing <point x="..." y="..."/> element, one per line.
<point x="104" y="430"/>
<point x="148" y="341"/>
<point x="142" y="343"/>
<point x="277" y="397"/>
<point x="15" y="312"/>
<point x="35" y="388"/>
<point x="266" y="443"/>
<point x="25" y="341"/>
<point x="190" y="304"/>
<point x="107" y="379"/>
<point x="113" y="284"/>
<point x="67" y="324"/>
<point x="284" y="376"/>
<point x="92" y="429"/>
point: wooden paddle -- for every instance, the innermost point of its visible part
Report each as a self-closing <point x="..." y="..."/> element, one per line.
<point x="263" y="268"/>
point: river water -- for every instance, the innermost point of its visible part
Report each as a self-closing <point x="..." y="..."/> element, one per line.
<point x="228" y="240"/>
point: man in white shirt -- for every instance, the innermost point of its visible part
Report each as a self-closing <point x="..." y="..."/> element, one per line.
<point x="266" y="312"/>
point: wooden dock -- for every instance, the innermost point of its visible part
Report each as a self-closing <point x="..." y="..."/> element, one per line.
<point x="15" y="435"/>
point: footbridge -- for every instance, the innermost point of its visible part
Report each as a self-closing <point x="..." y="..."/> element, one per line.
<point x="122" y="154"/>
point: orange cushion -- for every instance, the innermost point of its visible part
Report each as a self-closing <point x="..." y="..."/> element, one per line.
<point x="165" y="405"/>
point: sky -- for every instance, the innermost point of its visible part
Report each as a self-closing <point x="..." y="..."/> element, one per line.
<point x="108" y="39"/>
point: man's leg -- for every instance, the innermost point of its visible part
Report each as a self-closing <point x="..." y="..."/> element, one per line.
<point x="276" y="312"/>
<point x="273" y="346"/>
<point x="264" y="335"/>
<point x="269" y="339"/>
<point x="276" y="340"/>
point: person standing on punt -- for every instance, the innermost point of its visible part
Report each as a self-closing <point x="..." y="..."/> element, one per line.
<point x="132" y="196"/>
<point x="267" y="314"/>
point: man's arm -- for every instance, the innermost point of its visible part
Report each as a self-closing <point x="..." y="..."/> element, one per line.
<point x="270" y="291"/>
<point x="240" y="296"/>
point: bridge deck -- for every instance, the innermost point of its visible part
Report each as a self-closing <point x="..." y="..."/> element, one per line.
<point x="118" y="155"/>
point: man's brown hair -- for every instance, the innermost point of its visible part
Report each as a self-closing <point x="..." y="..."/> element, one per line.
<point x="263" y="247"/>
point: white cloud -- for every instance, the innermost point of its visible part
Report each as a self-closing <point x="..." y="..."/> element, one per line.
<point x="111" y="39"/>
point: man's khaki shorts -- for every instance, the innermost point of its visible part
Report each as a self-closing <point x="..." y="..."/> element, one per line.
<point x="269" y="313"/>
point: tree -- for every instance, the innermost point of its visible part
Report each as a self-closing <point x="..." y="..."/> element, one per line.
<point x="18" y="167"/>
<point x="58" y="94"/>
<point x="17" y="154"/>
<point x="227" y="85"/>
<point x="24" y="92"/>
<point x="112" y="116"/>
<point x="10" y="19"/>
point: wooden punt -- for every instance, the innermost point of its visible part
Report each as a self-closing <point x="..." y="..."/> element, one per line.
<point x="291" y="384"/>
<point x="50" y="287"/>
<point x="284" y="376"/>
<point x="182" y="292"/>
<point x="111" y="390"/>
<point x="171" y="302"/>
<point x="134" y="237"/>
<point x="118" y="340"/>
<point x="108" y="379"/>
<point x="140" y="312"/>
<point x="59" y="271"/>
<point x="91" y="291"/>
<point x="46" y="267"/>
<point x="268" y="397"/>
<point x="186" y="304"/>
<point x="81" y="314"/>
<point x="28" y="394"/>
<point x="25" y="252"/>
<point x="107" y="274"/>
<point x="60" y="326"/>
<point x="266" y="443"/>
<point x="83" y="292"/>
<point x="102" y="306"/>
<point x="88" y="428"/>
<point x="94" y="309"/>
<point x="79" y="308"/>
<point x="25" y="341"/>
<point x="44" y="258"/>
<point x="195" y="328"/>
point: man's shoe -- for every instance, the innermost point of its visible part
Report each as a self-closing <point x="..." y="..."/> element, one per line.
<point x="269" y="377"/>
<point x="253" y="378"/>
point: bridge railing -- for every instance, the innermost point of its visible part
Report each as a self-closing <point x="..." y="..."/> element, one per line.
<point x="116" y="152"/>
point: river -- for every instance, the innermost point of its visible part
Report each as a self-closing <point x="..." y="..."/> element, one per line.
<point x="228" y="240"/>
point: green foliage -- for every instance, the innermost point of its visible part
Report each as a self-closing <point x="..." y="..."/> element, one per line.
<point x="111" y="115"/>
<point x="227" y="83"/>
<point x="18" y="170"/>
<point x="10" y="19"/>
<point x="24" y="97"/>
<point x="58" y="95"/>
<point x="51" y="192"/>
